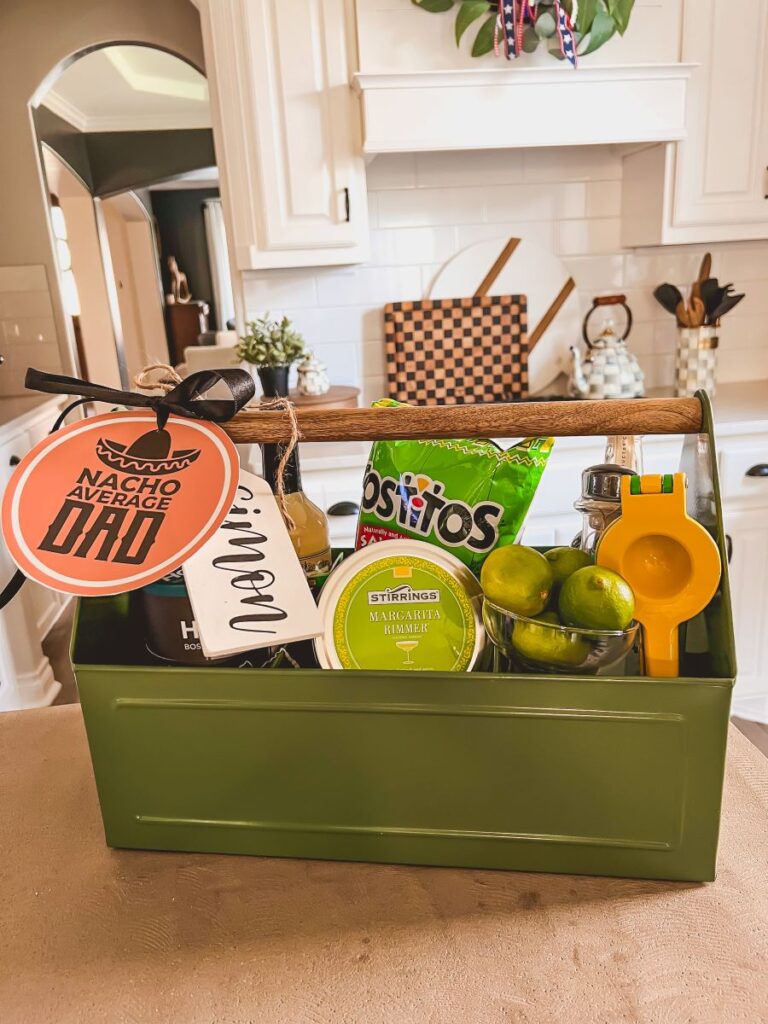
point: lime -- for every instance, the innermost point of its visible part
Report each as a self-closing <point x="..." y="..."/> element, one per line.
<point x="517" y="578"/>
<point x="596" y="598"/>
<point x="550" y="616"/>
<point x="541" y="643"/>
<point x="565" y="561"/>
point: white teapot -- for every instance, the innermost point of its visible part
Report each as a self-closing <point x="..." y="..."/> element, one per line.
<point x="313" y="377"/>
<point x="609" y="369"/>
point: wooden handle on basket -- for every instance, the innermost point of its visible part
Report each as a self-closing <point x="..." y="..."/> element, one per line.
<point x="521" y="419"/>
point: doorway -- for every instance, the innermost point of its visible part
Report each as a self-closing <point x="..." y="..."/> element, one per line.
<point x="128" y="157"/>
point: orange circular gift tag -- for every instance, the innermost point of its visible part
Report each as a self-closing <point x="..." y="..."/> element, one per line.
<point x="112" y="503"/>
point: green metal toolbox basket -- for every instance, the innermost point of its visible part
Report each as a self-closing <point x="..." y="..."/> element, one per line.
<point x="605" y="775"/>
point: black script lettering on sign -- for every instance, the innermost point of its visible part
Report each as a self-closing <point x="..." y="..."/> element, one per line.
<point x="243" y="561"/>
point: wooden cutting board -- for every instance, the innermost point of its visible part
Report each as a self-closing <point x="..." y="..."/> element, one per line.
<point x="535" y="272"/>
<point x="457" y="350"/>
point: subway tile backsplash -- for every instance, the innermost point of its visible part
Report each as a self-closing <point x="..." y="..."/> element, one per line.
<point x="424" y="208"/>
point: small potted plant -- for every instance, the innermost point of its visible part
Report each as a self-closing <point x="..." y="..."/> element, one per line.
<point x="272" y="346"/>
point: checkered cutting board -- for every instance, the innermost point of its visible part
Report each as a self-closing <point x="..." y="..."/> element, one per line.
<point x="451" y="351"/>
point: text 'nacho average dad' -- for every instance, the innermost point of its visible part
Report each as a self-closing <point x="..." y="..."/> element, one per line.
<point x="112" y="503"/>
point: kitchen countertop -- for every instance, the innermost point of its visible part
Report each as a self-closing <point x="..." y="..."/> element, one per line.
<point x="92" y="934"/>
<point x="739" y="407"/>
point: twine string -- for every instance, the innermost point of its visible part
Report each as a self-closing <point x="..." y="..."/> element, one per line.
<point x="274" y="404"/>
<point x="168" y="380"/>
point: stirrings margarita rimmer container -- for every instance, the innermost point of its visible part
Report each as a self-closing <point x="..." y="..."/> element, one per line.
<point x="401" y="605"/>
<point x="602" y="775"/>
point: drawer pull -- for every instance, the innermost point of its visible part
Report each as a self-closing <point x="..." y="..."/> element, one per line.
<point x="729" y="547"/>
<point x="344" y="508"/>
<point x="14" y="460"/>
<point x="761" y="469"/>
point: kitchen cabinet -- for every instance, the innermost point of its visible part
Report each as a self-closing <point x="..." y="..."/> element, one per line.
<point x="748" y="531"/>
<point x="712" y="186"/>
<point x="26" y="675"/>
<point x="743" y="464"/>
<point x="287" y="130"/>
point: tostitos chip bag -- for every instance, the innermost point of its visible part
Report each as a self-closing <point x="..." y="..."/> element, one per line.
<point x="466" y="496"/>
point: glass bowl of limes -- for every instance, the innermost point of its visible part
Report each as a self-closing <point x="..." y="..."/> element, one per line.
<point x="556" y="611"/>
<point x="544" y="644"/>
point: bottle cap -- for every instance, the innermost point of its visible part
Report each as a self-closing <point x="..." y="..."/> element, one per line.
<point x="603" y="482"/>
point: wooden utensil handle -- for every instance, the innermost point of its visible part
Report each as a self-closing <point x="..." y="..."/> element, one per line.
<point x="521" y="419"/>
<point x="501" y="261"/>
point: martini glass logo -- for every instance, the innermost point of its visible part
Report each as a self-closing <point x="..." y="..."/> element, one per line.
<point x="407" y="647"/>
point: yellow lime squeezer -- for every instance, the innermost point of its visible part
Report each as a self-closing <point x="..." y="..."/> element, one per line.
<point x="670" y="561"/>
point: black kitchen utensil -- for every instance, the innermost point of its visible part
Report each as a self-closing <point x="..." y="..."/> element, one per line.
<point x="710" y="295"/>
<point x="668" y="296"/>
<point x="725" y="307"/>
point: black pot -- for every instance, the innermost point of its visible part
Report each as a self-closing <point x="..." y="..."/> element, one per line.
<point x="274" y="380"/>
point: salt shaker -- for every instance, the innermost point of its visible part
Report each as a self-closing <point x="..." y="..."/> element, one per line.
<point x="600" y="502"/>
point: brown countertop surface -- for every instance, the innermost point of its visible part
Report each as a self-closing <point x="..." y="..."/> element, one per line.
<point x="90" y="934"/>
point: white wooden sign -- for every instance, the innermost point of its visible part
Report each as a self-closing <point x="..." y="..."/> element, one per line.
<point x="246" y="583"/>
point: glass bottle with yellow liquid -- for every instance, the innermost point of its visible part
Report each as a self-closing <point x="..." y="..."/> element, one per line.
<point x="310" y="537"/>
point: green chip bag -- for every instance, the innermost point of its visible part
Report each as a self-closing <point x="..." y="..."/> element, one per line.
<point x="466" y="496"/>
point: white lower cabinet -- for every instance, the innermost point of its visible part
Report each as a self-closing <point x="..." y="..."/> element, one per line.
<point x="748" y="532"/>
<point x="551" y="531"/>
<point x="26" y="676"/>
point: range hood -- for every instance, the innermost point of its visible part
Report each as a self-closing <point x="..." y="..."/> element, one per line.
<point x="517" y="107"/>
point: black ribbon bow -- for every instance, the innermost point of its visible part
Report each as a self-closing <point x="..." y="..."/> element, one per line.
<point x="185" y="399"/>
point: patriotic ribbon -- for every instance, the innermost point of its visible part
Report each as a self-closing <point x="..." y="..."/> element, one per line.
<point x="525" y="11"/>
<point x="507" y="23"/>
<point x="512" y="18"/>
<point x="565" y="34"/>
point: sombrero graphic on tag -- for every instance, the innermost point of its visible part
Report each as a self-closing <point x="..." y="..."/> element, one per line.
<point x="113" y="503"/>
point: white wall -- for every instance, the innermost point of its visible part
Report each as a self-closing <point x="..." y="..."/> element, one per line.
<point x="424" y="208"/>
<point x="134" y="265"/>
<point x="147" y="289"/>
<point x="96" y="329"/>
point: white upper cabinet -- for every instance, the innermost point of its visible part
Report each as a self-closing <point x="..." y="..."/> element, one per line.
<point x="721" y="173"/>
<point x="712" y="186"/>
<point x="287" y="130"/>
